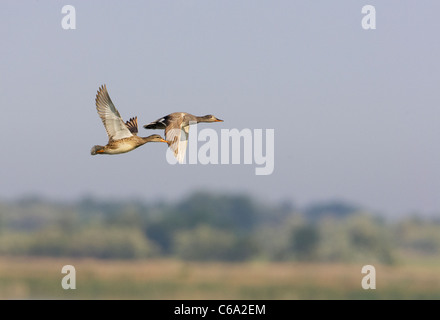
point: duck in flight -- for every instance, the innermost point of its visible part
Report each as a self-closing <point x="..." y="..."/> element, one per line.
<point x="176" y="127"/>
<point x="122" y="137"/>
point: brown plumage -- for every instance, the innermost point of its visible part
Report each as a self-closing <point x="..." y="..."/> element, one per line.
<point x="122" y="137"/>
<point x="176" y="123"/>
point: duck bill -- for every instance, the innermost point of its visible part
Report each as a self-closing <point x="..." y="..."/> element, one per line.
<point x="218" y="120"/>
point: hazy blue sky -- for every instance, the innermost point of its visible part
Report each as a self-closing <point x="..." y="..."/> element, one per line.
<point x="356" y="112"/>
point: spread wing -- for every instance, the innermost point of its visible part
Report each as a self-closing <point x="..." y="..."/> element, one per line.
<point x="112" y="120"/>
<point x="177" y="138"/>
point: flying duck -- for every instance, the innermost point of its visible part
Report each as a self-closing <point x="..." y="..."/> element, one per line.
<point x="122" y="137"/>
<point x="176" y="123"/>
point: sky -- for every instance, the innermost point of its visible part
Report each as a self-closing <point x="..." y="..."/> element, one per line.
<point x="355" y="112"/>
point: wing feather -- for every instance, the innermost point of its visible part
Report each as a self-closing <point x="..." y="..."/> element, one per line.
<point x="183" y="143"/>
<point x="177" y="138"/>
<point x="112" y="120"/>
<point x="132" y="125"/>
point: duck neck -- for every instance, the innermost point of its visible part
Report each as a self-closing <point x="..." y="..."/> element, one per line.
<point x="201" y="119"/>
<point x="147" y="139"/>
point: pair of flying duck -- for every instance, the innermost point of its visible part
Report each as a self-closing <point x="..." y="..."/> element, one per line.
<point x="123" y="135"/>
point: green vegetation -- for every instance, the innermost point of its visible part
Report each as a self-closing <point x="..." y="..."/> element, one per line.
<point x="210" y="246"/>
<point x="211" y="227"/>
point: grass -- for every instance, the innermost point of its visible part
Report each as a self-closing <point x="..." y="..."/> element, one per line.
<point x="40" y="278"/>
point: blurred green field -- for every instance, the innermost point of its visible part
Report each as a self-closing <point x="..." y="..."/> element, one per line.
<point x="40" y="278"/>
<point x="213" y="247"/>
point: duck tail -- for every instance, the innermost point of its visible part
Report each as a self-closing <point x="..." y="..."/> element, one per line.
<point x="96" y="149"/>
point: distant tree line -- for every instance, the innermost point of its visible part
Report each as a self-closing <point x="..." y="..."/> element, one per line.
<point x="211" y="227"/>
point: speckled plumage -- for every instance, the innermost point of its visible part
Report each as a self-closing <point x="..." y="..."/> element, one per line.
<point x="176" y="123"/>
<point x="122" y="137"/>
